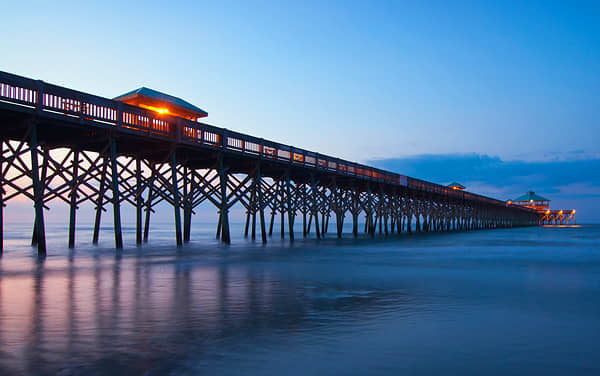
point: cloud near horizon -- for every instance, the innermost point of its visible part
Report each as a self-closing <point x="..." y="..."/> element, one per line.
<point x="569" y="183"/>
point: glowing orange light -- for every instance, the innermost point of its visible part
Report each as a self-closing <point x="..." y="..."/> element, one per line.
<point x="560" y="212"/>
<point x="160" y="110"/>
<point x="547" y="211"/>
<point x="573" y="212"/>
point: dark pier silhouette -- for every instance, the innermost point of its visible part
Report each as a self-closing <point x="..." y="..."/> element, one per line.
<point x="60" y="144"/>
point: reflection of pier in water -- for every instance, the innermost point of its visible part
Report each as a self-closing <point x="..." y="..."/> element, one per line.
<point x="98" y="310"/>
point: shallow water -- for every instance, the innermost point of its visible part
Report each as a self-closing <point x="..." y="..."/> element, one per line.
<point x="519" y="301"/>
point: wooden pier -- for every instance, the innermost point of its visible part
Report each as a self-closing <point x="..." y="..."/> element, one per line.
<point x="63" y="145"/>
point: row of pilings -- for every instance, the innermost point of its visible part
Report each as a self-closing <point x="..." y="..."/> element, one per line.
<point x="108" y="178"/>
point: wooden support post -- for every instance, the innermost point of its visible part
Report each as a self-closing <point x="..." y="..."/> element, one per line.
<point x="261" y="206"/>
<point x="254" y="223"/>
<point x="274" y="198"/>
<point x="187" y="210"/>
<point x="304" y="209"/>
<point x="247" y="223"/>
<point x="281" y="211"/>
<point x="2" y="197"/>
<point x="385" y="224"/>
<point x="271" y="222"/>
<point x="355" y="210"/>
<point x="100" y="202"/>
<point x="304" y="223"/>
<point x="38" y="192"/>
<point x="337" y="210"/>
<point x="34" y="237"/>
<point x="115" y="195"/>
<point x="399" y="223"/>
<point x="224" y="212"/>
<point x="149" y="202"/>
<point x="370" y="224"/>
<point x="175" y="187"/>
<point x="138" y="201"/>
<point x="252" y="207"/>
<point x="73" y="204"/>
<point x="290" y="209"/>
<point x="314" y="208"/>
<point x="219" y="226"/>
<point x="187" y="223"/>
<point x="323" y="230"/>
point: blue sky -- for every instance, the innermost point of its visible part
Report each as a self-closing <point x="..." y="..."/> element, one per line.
<point x="366" y="81"/>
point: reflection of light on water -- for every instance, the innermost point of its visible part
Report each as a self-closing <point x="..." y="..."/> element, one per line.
<point x="561" y="226"/>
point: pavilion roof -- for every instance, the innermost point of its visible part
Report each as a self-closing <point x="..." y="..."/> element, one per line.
<point x="144" y="92"/>
<point x="531" y="196"/>
<point x="457" y="185"/>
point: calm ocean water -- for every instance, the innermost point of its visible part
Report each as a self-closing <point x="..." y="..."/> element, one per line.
<point x="497" y="302"/>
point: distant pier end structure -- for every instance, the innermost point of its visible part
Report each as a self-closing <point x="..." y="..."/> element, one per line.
<point x="457" y="186"/>
<point x="541" y="205"/>
<point x="144" y="148"/>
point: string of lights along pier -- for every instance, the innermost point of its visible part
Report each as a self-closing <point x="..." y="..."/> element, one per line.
<point x="146" y="147"/>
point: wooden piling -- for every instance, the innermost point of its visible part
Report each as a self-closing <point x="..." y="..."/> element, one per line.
<point x="38" y="193"/>
<point x="314" y="208"/>
<point x="73" y="203"/>
<point x="149" y="201"/>
<point x="290" y="210"/>
<point x="261" y="205"/>
<point x="115" y="195"/>
<point x="138" y="201"/>
<point x="100" y="202"/>
<point x="1" y="197"/>
<point x="187" y="211"/>
<point x="224" y="209"/>
<point x="175" y="188"/>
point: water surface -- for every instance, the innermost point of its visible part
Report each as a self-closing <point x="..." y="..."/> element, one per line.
<point x="496" y="302"/>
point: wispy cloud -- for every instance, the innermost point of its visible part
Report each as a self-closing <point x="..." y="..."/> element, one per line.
<point x="567" y="179"/>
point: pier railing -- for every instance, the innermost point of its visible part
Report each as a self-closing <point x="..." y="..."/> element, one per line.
<point x="71" y="105"/>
